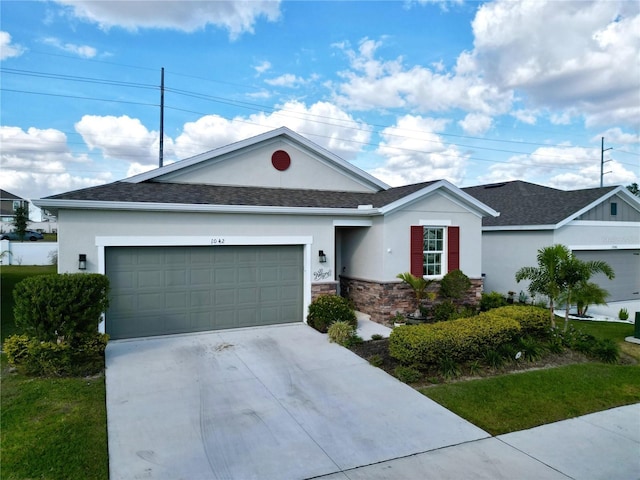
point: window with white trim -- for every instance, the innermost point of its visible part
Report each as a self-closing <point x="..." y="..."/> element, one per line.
<point x="433" y="251"/>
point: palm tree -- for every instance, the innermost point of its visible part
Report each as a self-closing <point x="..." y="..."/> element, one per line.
<point x="546" y="278"/>
<point x="575" y="274"/>
<point x="587" y="294"/>
<point x="419" y="286"/>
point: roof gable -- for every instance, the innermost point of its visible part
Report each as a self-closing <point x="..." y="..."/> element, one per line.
<point x="249" y="163"/>
<point x="4" y="195"/>
<point x="523" y="204"/>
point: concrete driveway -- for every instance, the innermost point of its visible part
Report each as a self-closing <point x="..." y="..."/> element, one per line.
<point x="283" y="403"/>
<point x="268" y="403"/>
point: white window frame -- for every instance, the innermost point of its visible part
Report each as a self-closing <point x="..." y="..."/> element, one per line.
<point x="442" y="252"/>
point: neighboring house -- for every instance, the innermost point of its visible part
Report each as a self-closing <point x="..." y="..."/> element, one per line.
<point x="249" y="233"/>
<point x="9" y="203"/>
<point x="595" y="223"/>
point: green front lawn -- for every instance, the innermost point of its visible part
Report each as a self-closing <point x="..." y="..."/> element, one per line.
<point x="52" y="428"/>
<point x="524" y="400"/>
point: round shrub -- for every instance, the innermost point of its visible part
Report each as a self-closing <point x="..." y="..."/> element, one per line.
<point x="328" y="309"/>
<point x="444" y="311"/>
<point x="454" y="285"/>
<point x="60" y="307"/>
<point x="340" y="332"/>
<point x="492" y="300"/>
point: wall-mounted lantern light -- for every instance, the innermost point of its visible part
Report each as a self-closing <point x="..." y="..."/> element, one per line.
<point x="82" y="261"/>
<point x="322" y="258"/>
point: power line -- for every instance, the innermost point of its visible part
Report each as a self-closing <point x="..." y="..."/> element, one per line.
<point x="321" y="119"/>
<point x="261" y="107"/>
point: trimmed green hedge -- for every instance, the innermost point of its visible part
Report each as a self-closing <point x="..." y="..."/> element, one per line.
<point x="460" y="340"/>
<point x="33" y="357"/>
<point x="328" y="309"/>
<point x="533" y="320"/>
<point x="66" y="307"/>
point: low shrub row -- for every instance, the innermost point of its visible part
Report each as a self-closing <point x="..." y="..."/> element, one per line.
<point x="533" y="320"/>
<point x="30" y="356"/>
<point x="459" y="340"/>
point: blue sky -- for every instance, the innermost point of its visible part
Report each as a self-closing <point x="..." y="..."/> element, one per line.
<point x="474" y="92"/>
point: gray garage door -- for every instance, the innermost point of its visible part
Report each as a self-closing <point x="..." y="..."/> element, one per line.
<point x="626" y="265"/>
<point x="165" y="290"/>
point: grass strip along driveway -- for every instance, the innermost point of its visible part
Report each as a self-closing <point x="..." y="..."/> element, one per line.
<point x="55" y="428"/>
<point x="524" y="400"/>
<point x="52" y="428"/>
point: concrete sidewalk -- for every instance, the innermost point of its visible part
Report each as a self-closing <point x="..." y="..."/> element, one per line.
<point x="603" y="445"/>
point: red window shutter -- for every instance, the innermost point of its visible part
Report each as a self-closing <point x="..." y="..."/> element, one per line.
<point x="417" y="246"/>
<point x="453" y="248"/>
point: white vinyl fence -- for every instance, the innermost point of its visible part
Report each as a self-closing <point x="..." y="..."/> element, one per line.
<point x="28" y="253"/>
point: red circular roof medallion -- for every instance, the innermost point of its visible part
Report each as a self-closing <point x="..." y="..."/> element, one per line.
<point x="280" y="160"/>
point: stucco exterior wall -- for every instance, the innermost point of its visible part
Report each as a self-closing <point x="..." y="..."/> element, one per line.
<point x="361" y="251"/>
<point x="504" y="253"/>
<point x="598" y="235"/>
<point x="253" y="167"/>
<point x="79" y="229"/>
<point x="436" y="210"/>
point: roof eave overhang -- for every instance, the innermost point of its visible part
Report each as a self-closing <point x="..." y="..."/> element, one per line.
<point x="55" y="205"/>
<point x="517" y="228"/>
<point x="454" y="192"/>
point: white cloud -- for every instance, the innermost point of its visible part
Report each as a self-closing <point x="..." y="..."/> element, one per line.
<point x="616" y="135"/>
<point x="526" y="116"/>
<point x="375" y="83"/>
<point x="84" y="51"/>
<point x="122" y="138"/>
<point x="564" y="55"/>
<point x="7" y="49"/>
<point x="36" y="163"/>
<point x="560" y="167"/>
<point x="286" y="80"/>
<point x="342" y="135"/>
<point x="262" y="67"/>
<point x="188" y="16"/>
<point x="414" y="152"/>
<point x="476" y="123"/>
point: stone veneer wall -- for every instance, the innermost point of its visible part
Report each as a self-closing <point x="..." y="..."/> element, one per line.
<point x="318" y="289"/>
<point x="383" y="300"/>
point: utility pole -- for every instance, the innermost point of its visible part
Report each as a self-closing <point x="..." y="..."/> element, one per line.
<point x="161" y="116"/>
<point x="602" y="162"/>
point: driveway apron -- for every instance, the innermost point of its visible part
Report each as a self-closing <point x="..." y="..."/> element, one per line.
<point x="276" y="402"/>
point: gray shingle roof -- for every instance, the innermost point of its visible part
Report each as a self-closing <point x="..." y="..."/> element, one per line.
<point x="523" y="203"/>
<point x="179" y="193"/>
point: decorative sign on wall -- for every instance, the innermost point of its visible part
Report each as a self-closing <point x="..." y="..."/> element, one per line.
<point x="322" y="274"/>
<point x="280" y="160"/>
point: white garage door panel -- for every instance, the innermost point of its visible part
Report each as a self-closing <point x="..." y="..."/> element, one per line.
<point x="626" y="265"/>
<point x="164" y="290"/>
